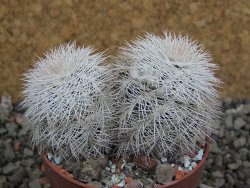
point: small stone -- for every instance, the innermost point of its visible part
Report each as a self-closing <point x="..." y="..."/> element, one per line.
<point x="35" y="184"/>
<point x="34" y="174"/>
<point x="239" y="142"/>
<point x="233" y="166"/>
<point x="193" y="164"/>
<point x="239" y="123"/>
<point x="121" y="184"/>
<point x="50" y="156"/>
<point x="164" y="173"/>
<point x="229" y="121"/>
<point x="2" y="179"/>
<point x="9" y="153"/>
<point x="214" y="148"/>
<point x="145" y="163"/>
<point x="205" y="186"/>
<point x="199" y="156"/>
<point x="21" y="132"/>
<point x="115" y="179"/>
<point x="230" y="179"/>
<point x="244" y="109"/>
<point x="107" y="168"/>
<point x="219" y="182"/>
<point x="27" y="152"/>
<point x="248" y="181"/>
<point x="186" y="161"/>
<point x="164" y="160"/>
<point x="246" y="164"/>
<point x="91" y="170"/>
<point x="57" y="160"/>
<point x="10" y="168"/>
<point x="190" y="168"/>
<point x="27" y="162"/>
<point x="2" y="131"/>
<point x="217" y="174"/>
<point x="17" y="177"/>
<point x="135" y="184"/>
<point x="11" y="127"/>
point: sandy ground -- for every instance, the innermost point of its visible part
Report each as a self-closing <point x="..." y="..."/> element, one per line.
<point x="28" y="28"/>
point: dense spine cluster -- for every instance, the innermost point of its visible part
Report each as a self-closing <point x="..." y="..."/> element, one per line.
<point x="67" y="101"/>
<point x="167" y="96"/>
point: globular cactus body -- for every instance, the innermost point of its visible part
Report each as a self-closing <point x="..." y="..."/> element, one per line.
<point x="167" y="93"/>
<point x="66" y="98"/>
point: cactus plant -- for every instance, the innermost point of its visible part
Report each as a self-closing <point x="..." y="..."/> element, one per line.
<point x="66" y="98"/>
<point x="168" y="98"/>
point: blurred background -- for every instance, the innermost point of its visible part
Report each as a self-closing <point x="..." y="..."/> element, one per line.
<point x="28" y="28"/>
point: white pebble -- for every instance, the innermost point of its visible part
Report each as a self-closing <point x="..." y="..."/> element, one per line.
<point x="190" y="168"/>
<point x="110" y="163"/>
<point x="107" y="168"/>
<point x="50" y="156"/>
<point x="115" y="179"/>
<point x="57" y="159"/>
<point x="193" y="164"/>
<point x="186" y="161"/>
<point x="199" y="156"/>
<point x="179" y="168"/>
<point x="137" y="173"/>
<point x="121" y="184"/>
<point x="164" y="160"/>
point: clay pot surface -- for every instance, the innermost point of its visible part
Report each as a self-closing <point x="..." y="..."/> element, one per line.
<point x="58" y="178"/>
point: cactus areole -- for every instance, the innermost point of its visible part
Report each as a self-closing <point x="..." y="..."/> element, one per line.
<point x="156" y="98"/>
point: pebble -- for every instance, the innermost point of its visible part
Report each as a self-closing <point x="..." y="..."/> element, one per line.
<point x="186" y="161"/>
<point x="214" y="148"/>
<point x="164" y="160"/>
<point x="57" y="159"/>
<point x="164" y="173"/>
<point x="239" y="123"/>
<point x="193" y="164"/>
<point x="217" y="174"/>
<point x="240" y="142"/>
<point x="219" y="182"/>
<point x="9" y="153"/>
<point x="229" y="121"/>
<point x="233" y="166"/>
<point x="199" y="156"/>
<point x="10" y="168"/>
<point x="17" y="177"/>
<point x="2" y="131"/>
<point x="27" y="152"/>
<point x="35" y="184"/>
<point x="11" y="128"/>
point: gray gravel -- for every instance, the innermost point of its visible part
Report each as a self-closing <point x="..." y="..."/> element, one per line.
<point x="228" y="164"/>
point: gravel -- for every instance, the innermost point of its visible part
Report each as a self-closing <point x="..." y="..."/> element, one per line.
<point x="19" y="166"/>
<point x="228" y="163"/>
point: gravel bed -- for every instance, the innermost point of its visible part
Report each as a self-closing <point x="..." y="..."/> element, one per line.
<point x="228" y="164"/>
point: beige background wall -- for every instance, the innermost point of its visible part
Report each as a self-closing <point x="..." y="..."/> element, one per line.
<point x="29" y="27"/>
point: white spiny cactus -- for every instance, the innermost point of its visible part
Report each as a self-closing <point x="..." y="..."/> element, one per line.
<point x="66" y="97"/>
<point x="168" y="97"/>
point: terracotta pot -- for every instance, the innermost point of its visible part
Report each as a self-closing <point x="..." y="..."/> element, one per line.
<point x="59" y="179"/>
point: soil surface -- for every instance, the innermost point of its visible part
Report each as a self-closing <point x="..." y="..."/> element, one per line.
<point x="28" y="28"/>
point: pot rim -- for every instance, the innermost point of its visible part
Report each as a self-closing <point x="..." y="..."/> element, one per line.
<point x="199" y="165"/>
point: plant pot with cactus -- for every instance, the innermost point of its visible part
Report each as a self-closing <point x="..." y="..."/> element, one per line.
<point x="143" y="120"/>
